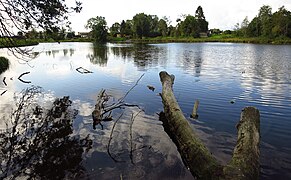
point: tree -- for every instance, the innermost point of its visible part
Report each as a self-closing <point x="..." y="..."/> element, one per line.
<point x="254" y="28"/>
<point x="71" y="34"/>
<point x="162" y="27"/>
<point x="201" y="21"/>
<point x="244" y="25"/>
<point x="281" y="22"/>
<point x="265" y="17"/>
<point x="32" y="34"/>
<point x="190" y="27"/>
<point x="27" y="14"/>
<point x="141" y="25"/>
<point x="153" y="21"/>
<point x="115" y="29"/>
<point x="98" y="29"/>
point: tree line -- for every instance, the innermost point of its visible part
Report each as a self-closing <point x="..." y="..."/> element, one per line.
<point x="266" y="24"/>
<point x="145" y="25"/>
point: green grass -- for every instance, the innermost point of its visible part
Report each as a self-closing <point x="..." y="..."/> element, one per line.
<point x="216" y="38"/>
<point x="4" y="64"/>
<point x="116" y="39"/>
<point x="5" y="43"/>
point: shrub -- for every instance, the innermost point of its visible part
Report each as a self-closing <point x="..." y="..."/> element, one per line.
<point x="4" y="64"/>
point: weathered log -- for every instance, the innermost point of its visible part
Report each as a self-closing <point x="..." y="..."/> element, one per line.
<point x="245" y="159"/>
<point x="195" y="155"/>
<point x="193" y="152"/>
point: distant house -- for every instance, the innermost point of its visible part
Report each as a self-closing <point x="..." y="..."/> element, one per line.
<point x="215" y="31"/>
<point x="203" y="35"/>
<point x="83" y="34"/>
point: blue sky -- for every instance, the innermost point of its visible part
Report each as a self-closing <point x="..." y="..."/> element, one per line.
<point x="222" y="14"/>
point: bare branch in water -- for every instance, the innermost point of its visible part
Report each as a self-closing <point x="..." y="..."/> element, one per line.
<point x="131" y="88"/>
<point x="3" y="92"/>
<point x="110" y="138"/>
<point x="101" y="108"/>
<point x="22" y="79"/>
<point x="130" y="135"/>
<point x="4" y="81"/>
<point x="83" y="70"/>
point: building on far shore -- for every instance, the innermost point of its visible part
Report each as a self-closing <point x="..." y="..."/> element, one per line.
<point x="83" y="34"/>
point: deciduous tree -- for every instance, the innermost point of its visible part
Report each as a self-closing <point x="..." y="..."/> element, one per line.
<point x="141" y="25"/>
<point x="98" y="29"/>
<point x="22" y="15"/>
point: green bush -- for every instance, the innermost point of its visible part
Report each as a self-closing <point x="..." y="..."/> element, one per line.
<point x="4" y="64"/>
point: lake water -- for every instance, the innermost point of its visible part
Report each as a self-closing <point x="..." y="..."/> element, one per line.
<point x="215" y="73"/>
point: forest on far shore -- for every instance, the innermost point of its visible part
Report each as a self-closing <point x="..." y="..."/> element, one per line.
<point x="264" y="28"/>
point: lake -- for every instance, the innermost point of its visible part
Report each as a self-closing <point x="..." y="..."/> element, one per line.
<point x="224" y="77"/>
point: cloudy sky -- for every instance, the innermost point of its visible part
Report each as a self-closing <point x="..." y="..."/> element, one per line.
<point x="222" y="14"/>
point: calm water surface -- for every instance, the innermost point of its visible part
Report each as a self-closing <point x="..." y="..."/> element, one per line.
<point x="214" y="73"/>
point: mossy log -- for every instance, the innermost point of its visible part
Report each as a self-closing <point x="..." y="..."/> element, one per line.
<point x="195" y="155"/>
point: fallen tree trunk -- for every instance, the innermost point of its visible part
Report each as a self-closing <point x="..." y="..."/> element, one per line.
<point x="195" y="155"/>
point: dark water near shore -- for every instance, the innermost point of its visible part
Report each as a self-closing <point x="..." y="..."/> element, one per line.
<point x="214" y="73"/>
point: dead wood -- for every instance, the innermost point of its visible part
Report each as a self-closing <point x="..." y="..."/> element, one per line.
<point x="194" y="114"/>
<point x="4" y="82"/>
<point x="83" y="70"/>
<point x="20" y="76"/>
<point x="195" y="155"/>
<point x="102" y="108"/>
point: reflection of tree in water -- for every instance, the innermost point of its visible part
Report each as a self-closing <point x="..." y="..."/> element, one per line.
<point x="38" y="144"/>
<point x="99" y="55"/>
<point x="52" y="53"/>
<point x="191" y="60"/>
<point x="65" y="52"/>
<point x="144" y="55"/>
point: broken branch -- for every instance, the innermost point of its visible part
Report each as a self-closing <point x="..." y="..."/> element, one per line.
<point x="4" y="81"/>
<point x="83" y="70"/>
<point x="19" y="78"/>
<point x="110" y="138"/>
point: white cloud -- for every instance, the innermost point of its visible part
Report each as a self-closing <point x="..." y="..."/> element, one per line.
<point x="223" y="14"/>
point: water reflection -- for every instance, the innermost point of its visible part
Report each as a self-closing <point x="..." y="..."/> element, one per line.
<point x="38" y="143"/>
<point x="99" y="55"/>
<point x="191" y="59"/>
<point x="53" y="53"/>
<point x="214" y="73"/>
<point x="66" y="51"/>
<point x="144" y="56"/>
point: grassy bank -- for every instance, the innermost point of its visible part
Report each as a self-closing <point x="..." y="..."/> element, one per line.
<point x="6" y="43"/>
<point x="217" y="38"/>
<point x="4" y="64"/>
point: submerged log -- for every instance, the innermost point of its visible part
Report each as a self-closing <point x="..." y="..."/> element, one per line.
<point x="195" y="155"/>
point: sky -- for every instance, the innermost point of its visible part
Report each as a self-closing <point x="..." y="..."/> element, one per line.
<point x="222" y="14"/>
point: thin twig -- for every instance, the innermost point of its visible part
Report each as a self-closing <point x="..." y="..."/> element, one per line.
<point x="120" y="103"/>
<point x="4" y="81"/>
<point x="131" y="88"/>
<point x="110" y="138"/>
<point x="130" y="135"/>
<point x="3" y="92"/>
